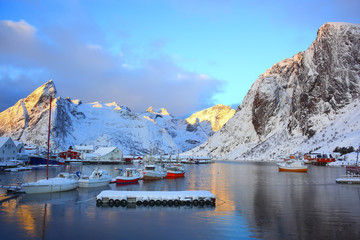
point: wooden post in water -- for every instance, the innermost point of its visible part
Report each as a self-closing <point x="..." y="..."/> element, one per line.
<point x="47" y="164"/>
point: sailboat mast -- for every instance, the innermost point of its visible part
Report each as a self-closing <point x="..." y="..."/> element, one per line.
<point x="47" y="162"/>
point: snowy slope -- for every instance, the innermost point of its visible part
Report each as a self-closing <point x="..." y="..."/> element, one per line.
<point x="307" y="102"/>
<point x="99" y="124"/>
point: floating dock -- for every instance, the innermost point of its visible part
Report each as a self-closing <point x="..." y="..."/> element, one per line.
<point x="155" y="198"/>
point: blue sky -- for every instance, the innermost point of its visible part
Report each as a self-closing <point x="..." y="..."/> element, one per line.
<point x="183" y="55"/>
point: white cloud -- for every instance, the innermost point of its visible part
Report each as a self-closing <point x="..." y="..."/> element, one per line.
<point x="90" y="73"/>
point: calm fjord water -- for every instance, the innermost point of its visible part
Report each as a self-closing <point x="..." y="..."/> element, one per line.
<point x="254" y="201"/>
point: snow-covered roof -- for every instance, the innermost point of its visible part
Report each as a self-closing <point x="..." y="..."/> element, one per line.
<point x="102" y="151"/>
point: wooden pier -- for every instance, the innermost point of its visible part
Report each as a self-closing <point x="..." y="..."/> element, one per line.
<point x="155" y="198"/>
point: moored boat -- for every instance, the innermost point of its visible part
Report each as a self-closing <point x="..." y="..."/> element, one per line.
<point x="63" y="182"/>
<point x="130" y="175"/>
<point x="153" y="172"/>
<point x="98" y="178"/>
<point x="175" y="171"/>
<point x="292" y="166"/>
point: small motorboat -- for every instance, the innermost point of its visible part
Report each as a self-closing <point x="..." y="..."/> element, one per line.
<point x="130" y="175"/>
<point x="175" y="171"/>
<point x="62" y="182"/>
<point x="292" y="166"/>
<point x="98" y="178"/>
<point x="153" y="172"/>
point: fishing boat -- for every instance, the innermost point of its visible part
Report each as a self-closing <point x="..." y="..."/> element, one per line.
<point x="98" y="178"/>
<point x="130" y="175"/>
<point x="153" y="172"/>
<point x="175" y="171"/>
<point x="292" y="166"/>
<point x="62" y="182"/>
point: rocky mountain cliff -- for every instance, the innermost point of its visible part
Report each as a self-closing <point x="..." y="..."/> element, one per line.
<point x="303" y="103"/>
<point x="99" y="124"/>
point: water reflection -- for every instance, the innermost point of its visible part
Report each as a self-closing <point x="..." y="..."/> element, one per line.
<point x="253" y="201"/>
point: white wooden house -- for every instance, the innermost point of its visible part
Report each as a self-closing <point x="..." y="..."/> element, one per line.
<point x="8" y="149"/>
<point x="109" y="153"/>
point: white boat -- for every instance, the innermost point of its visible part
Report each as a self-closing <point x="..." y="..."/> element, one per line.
<point x="292" y="166"/>
<point x="153" y="172"/>
<point x="131" y="175"/>
<point x="63" y="182"/>
<point x="98" y="178"/>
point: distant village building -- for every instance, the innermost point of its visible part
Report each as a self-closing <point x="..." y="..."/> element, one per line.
<point x="8" y="149"/>
<point x="70" y="154"/>
<point x="84" y="148"/>
<point x="109" y="153"/>
<point x="20" y="147"/>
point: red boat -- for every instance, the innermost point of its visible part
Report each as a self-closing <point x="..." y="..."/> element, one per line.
<point x="131" y="175"/>
<point x="175" y="171"/>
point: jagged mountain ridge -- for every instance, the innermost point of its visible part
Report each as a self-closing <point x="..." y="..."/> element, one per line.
<point x="99" y="124"/>
<point x="299" y="104"/>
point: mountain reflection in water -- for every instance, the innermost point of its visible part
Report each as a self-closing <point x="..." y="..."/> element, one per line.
<point x="254" y="200"/>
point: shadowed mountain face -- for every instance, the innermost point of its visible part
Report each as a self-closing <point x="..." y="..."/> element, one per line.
<point x="297" y="99"/>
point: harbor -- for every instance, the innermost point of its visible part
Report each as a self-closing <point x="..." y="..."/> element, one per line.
<point x="253" y="200"/>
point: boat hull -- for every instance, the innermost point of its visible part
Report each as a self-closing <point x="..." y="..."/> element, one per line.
<point x="175" y="174"/>
<point x="150" y="176"/>
<point x="286" y="169"/>
<point x="34" y="160"/>
<point x="127" y="180"/>
<point x="49" y="186"/>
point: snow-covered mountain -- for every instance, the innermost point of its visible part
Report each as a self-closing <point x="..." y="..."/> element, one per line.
<point x="307" y="102"/>
<point x="217" y="115"/>
<point x="99" y="124"/>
